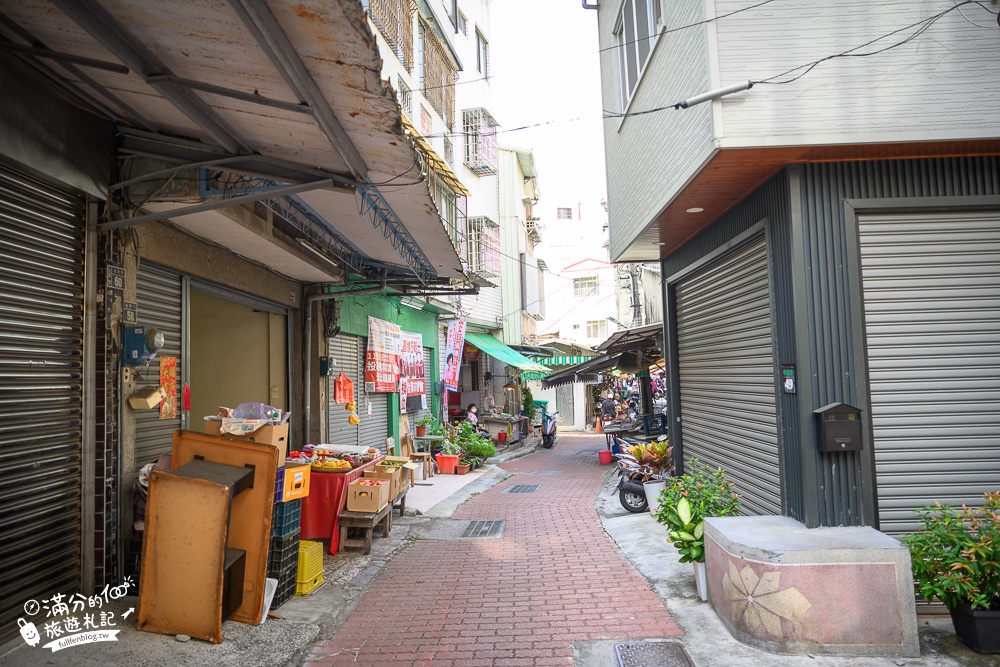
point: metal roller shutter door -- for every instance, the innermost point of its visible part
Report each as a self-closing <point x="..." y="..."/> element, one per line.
<point x="726" y="366"/>
<point x="375" y="429"/>
<point x="160" y="297"/>
<point x="41" y="392"/>
<point x="932" y="324"/>
<point x="343" y="349"/>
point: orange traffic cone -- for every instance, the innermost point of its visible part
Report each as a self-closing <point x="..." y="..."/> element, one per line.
<point x="600" y="427"/>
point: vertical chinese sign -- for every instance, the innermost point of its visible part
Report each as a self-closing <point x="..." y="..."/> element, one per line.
<point x="411" y="373"/>
<point x="168" y="380"/>
<point x="453" y="353"/>
<point x="382" y="356"/>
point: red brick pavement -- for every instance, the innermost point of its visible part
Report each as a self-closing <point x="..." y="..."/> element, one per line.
<point x="554" y="578"/>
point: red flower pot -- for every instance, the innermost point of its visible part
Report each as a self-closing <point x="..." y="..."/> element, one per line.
<point x="462" y="469"/>
<point x="447" y="463"/>
<point x="421" y="431"/>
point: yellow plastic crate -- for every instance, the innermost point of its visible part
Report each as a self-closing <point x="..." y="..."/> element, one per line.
<point x="308" y="587"/>
<point x="310" y="561"/>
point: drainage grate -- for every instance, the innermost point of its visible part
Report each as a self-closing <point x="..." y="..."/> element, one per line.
<point x="523" y="488"/>
<point x="652" y="654"/>
<point x="487" y="528"/>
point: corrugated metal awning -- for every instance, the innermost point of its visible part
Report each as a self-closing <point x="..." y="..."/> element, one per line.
<point x="286" y="93"/>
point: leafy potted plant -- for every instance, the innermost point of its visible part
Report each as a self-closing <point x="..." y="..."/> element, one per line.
<point x="479" y="446"/>
<point x="426" y="421"/>
<point x="956" y="558"/>
<point x="448" y="458"/>
<point x="528" y="408"/>
<point x="464" y="466"/>
<point x="658" y="458"/>
<point x="685" y="504"/>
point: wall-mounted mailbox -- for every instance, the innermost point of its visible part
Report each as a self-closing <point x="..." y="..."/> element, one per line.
<point x="838" y="428"/>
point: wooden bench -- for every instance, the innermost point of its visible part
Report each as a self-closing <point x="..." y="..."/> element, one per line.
<point x="366" y="522"/>
<point x="399" y="502"/>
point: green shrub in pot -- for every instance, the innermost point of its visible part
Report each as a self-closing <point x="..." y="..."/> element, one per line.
<point x="956" y="554"/>
<point x="687" y="501"/>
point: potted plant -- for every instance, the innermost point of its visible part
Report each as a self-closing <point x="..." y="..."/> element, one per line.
<point x="685" y="504"/>
<point x="464" y="466"/>
<point x="956" y="558"/>
<point x="426" y="420"/>
<point x="448" y="458"/>
<point x="658" y="459"/>
<point x="528" y="408"/>
<point x="479" y="446"/>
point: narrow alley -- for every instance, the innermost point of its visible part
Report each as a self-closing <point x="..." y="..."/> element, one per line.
<point x="552" y="578"/>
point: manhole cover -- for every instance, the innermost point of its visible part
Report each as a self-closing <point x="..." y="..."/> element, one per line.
<point x="488" y="528"/>
<point x="523" y="488"/>
<point x="651" y="654"/>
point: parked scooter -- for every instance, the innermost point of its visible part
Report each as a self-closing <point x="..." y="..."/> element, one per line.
<point x="632" y="475"/>
<point x="548" y="428"/>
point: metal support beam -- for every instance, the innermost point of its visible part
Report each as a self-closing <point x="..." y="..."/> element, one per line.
<point x="103" y="27"/>
<point x="215" y="204"/>
<point x="262" y="24"/>
<point x="373" y="206"/>
<point x="252" y="98"/>
<point x="64" y="57"/>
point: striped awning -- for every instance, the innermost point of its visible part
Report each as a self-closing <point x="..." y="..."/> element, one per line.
<point x="563" y="361"/>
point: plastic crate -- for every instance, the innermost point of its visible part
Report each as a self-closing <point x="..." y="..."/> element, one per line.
<point x="279" y="485"/>
<point x="309" y="587"/>
<point x="310" y="561"/>
<point x="284" y="552"/>
<point x="286" y="519"/>
<point x="286" y="586"/>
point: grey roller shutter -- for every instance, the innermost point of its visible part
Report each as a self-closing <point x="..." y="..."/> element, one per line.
<point x="41" y="392"/>
<point x="160" y="297"/>
<point x="373" y="430"/>
<point x="932" y="324"/>
<point x="564" y="404"/>
<point x="726" y="366"/>
<point x="343" y="350"/>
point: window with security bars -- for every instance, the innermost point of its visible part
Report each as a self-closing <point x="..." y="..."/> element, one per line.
<point x="404" y="96"/>
<point x="483" y="246"/>
<point x="394" y="19"/>
<point x="437" y="75"/>
<point x="597" y="329"/>
<point x="564" y="214"/>
<point x="480" y="130"/>
<point x="450" y="205"/>
<point x="449" y="151"/>
<point x="585" y="286"/>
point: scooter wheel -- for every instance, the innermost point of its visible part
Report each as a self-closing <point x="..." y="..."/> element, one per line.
<point x="633" y="502"/>
<point x="547" y="442"/>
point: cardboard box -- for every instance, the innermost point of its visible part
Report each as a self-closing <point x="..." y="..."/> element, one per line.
<point x="296" y="481"/>
<point x="382" y="472"/>
<point x="367" y="498"/>
<point x="268" y="435"/>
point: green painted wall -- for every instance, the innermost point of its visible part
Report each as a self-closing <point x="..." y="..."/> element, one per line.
<point x="354" y="313"/>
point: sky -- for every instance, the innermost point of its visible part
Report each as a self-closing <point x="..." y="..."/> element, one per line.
<point x="546" y="69"/>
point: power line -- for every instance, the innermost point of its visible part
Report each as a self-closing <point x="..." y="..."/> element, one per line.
<point x="924" y="25"/>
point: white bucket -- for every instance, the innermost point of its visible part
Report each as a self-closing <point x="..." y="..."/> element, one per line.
<point x="652" y="490"/>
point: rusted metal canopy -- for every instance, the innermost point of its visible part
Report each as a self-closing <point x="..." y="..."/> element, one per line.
<point x="286" y="92"/>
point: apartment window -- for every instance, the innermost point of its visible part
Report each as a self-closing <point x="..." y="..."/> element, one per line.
<point x="483" y="235"/>
<point x="448" y="205"/>
<point x="585" y="286"/>
<point x="463" y="23"/>
<point x="404" y="96"/>
<point x="564" y="214"/>
<point x="597" y="329"/>
<point x="480" y="141"/>
<point x="635" y="33"/>
<point x="394" y="19"/>
<point x="482" y="55"/>
<point x="437" y="75"/>
<point x="426" y="123"/>
<point x="449" y="151"/>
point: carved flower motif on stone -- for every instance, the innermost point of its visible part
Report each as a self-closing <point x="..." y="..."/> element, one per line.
<point x="758" y="600"/>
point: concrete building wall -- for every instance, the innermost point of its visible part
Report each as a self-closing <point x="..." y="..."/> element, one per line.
<point x="651" y="157"/>
<point x="929" y="88"/>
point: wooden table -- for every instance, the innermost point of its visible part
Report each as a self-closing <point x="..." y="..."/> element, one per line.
<point x="326" y="500"/>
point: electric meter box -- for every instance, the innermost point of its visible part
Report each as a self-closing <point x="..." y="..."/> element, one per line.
<point x="838" y="428"/>
<point x="140" y="345"/>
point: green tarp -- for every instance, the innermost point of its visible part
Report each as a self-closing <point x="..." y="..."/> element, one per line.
<point x="498" y="350"/>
